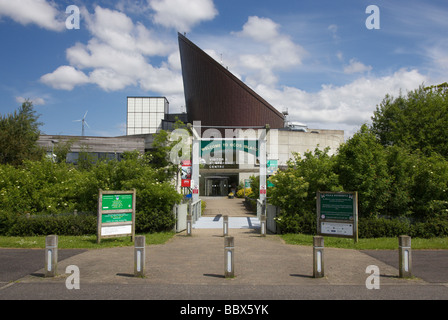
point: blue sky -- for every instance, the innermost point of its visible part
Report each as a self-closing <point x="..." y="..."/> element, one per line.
<point x="317" y="59"/>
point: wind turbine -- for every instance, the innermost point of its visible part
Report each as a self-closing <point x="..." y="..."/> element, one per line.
<point x="84" y="123"/>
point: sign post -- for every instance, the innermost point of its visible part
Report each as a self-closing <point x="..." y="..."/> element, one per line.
<point x="337" y="214"/>
<point x="116" y="214"/>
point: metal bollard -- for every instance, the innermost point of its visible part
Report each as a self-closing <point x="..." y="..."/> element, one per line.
<point x="189" y="224"/>
<point x="229" y="263"/>
<point x="404" y="259"/>
<point x="318" y="257"/>
<point x="263" y="226"/>
<point x="51" y="255"/>
<point x="225" y="226"/>
<point x="139" y="256"/>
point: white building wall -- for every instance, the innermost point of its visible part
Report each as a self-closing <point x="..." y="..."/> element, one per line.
<point x="145" y="114"/>
<point x="282" y="143"/>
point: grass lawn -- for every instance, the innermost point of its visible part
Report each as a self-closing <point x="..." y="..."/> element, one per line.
<point x="81" y="242"/>
<point x="89" y="242"/>
<point x="366" y="244"/>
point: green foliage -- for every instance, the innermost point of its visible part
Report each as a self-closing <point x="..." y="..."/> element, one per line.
<point x="362" y="166"/>
<point x="42" y="188"/>
<point x="296" y="186"/>
<point x="398" y="166"/>
<point x="19" y="133"/>
<point x="417" y="121"/>
<point x="383" y="227"/>
<point x="69" y="225"/>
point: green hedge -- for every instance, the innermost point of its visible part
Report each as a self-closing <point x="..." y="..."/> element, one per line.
<point x="371" y="227"/>
<point x="82" y="224"/>
<point x="46" y="191"/>
<point x="68" y="225"/>
<point x="382" y="227"/>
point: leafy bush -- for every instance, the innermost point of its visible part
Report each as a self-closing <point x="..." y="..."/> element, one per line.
<point x="430" y="229"/>
<point x="382" y="227"/>
<point x="69" y="225"/>
<point x="296" y="186"/>
<point x="298" y="223"/>
<point x="42" y="188"/>
<point x="240" y="193"/>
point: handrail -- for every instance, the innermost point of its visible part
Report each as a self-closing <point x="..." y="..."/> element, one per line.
<point x="195" y="210"/>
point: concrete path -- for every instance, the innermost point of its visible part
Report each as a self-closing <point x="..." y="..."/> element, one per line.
<point x="192" y="267"/>
<point x="217" y="207"/>
<point x="234" y="223"/>
<point x="226" y="207"/>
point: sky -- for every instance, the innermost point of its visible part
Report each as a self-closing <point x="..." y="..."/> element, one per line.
<point x="329" y="63"/>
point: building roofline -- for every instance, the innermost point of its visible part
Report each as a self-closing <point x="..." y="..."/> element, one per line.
<point x="229" y="74"/>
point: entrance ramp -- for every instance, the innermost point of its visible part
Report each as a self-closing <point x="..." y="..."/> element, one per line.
<point x="218" y="207"/>
<point x="234" y="223"/>
<point x="227" y="207"/>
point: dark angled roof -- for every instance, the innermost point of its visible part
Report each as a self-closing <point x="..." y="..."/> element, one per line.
<point x="214" y="96"/>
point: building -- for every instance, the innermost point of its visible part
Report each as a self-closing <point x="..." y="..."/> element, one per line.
<point x="145" y="114"/>
<point x="98" y="147"/>
<point x="219" y="101"/>
<point x="214" y="96"/>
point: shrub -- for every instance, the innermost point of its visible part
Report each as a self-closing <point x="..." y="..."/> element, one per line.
<point x="43" y="188"/>
<point x="382" y="227"/>
<point x="240" y="193"/>
<point x="68" y="225"/>
<point x="430" y="229"/>
<point x="304" y="223"/>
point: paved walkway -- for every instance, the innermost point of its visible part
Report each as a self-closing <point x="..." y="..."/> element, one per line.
<point x="192" y="267"/>
<point x="218" y="207"/>
<point x="226" y="207"/>
<point x="278" y="270"/>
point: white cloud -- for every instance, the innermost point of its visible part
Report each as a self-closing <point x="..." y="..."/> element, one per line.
<point x="39" y="12"/>
<point x="65" y="78"/>
<point x="275" y="51"/>
<point x="345" y="106"/>
<point x="117" y="30"/>
<point x="356" y="67"/>
<point x="182" y="14"/>
<point x="117" y="56"/>
<point x="36" y="101"/>
<point x="437" y="60"/>
<point x="260" y="29"/>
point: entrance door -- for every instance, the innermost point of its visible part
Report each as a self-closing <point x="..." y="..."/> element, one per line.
<point x="216" y="186"/>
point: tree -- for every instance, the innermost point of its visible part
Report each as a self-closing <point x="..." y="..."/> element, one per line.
<point x="296" y="186"/>
<point x="166" y="142"/>
<point x="362" y="166"/>
<point x="19" y="133"/>
<point x="418" y="121"/>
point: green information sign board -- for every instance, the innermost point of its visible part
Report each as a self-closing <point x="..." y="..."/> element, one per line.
<point x="117" y="202"/>
<point x="337" y="214"/>
<point x="337" y="206"/>
<point x="116" y="217"/>
<point x="116" y="214"/>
